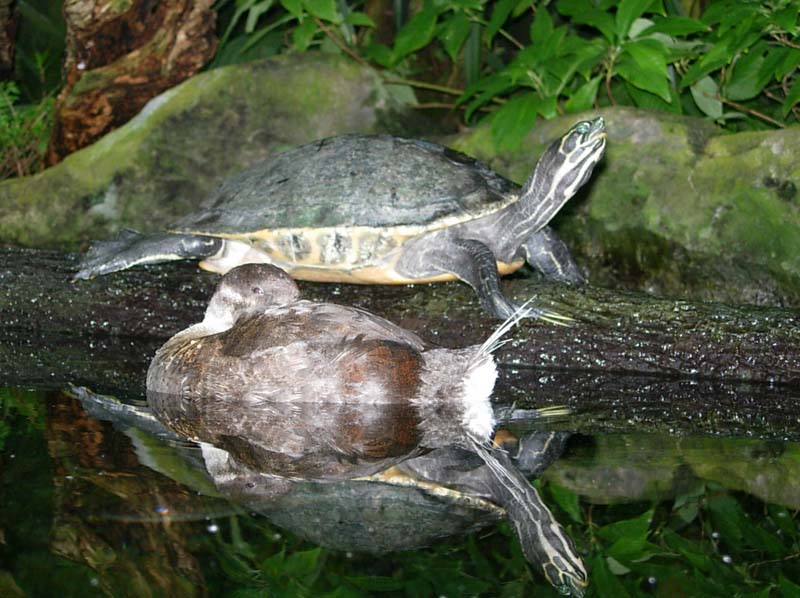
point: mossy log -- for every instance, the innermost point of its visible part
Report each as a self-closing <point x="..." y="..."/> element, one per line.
<point x="627" y="359"/>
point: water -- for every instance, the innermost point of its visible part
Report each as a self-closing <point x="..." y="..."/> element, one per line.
<point x="94" y="507"/>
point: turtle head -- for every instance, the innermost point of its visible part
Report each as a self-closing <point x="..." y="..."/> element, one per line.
<point x="246" y="289"/>
<point x="568" y="577"/>
<point x="563" y="168"/>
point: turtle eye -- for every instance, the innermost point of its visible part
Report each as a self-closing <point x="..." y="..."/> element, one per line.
<point x="583" y="127"/>
<point x="257" y="291"/>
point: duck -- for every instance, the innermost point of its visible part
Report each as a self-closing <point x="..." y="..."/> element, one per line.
<point x="303" y="390"/>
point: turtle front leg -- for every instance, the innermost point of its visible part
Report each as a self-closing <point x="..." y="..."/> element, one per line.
<point x="130" y="248"/>
<point x="474" y="263"/>
<point x="546" y="252"/>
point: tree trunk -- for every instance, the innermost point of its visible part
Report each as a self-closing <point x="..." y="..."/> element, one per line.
<point x="119" y="55"/>
<point x="8" y="31"/>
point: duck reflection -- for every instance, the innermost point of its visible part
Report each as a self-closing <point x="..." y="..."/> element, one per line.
<point x="278" y="389"/>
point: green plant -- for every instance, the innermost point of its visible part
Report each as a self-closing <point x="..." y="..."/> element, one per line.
<point x="24" y="131"/>
<point x="737" y="64"/>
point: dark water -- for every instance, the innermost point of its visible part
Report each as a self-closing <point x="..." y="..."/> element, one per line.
<point x="91" y="507"/>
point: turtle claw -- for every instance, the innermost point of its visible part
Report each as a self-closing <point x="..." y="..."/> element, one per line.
<point x="551" y="317"/>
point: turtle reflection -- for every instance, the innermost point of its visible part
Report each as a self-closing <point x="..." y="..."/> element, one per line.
<point x="444" y="493"/>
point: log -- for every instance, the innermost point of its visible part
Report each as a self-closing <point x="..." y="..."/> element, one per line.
<point x="628" y="360"/>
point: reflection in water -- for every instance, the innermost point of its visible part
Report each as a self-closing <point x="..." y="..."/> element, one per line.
<point x="289" y="390"/>
<point x="70" y="485"/>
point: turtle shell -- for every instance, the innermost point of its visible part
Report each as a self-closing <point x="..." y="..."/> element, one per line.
<point x="353" y="181"/>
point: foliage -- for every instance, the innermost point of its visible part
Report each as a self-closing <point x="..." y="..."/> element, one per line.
<point x="707" y="542"/>
<point x="737" y="64"/>
<point x="24" y="131"/>
<point x="513" y="60"/>
<point x="21" y="407"/>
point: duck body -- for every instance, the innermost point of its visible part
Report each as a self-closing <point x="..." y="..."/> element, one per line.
<point x="308" y="389"/>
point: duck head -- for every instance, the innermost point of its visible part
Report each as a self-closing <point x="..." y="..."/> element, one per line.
<point x="247" y="289"/>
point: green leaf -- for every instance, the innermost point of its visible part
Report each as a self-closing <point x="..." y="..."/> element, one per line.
<point x="790" y="63"/>
<point x="567" y="500"/>
<point x="650" y="101"/>
<point x="678" y="26"/>
<point x="514" y="120"/>
<point x="325" y="10"/>
<point x="743" y="83"/>
<point x="472" y="54"/>
<point x="637" y="527"/>
<point x="648" y="68"/>
<point x="453" y="33"/>
<point x="377" y="583"/>
<point x="716" y="57"/>
<point x="500" y="14"/>
<point x="604" y="582"/>
<point x="542" y="27"/>
<point x="791" y="98"/>
<point x="787" y="588"/>
<point x="378" y="53"/>
<point x="255" y="12"/>
<point x="483" y="91"/>
<point x="584" y="97"/>
<point x="294" y="6"/>
<point x="728" y="519"/>
<point x="705" y="94"/>
<point x="301" y="564"/>
<point x="772" y="65"/>
<point x="692" y="552"/>
<point x="785" y="19"/>
<point x="303" y="34"/>
<point x="416" y="34"/>
<point x="599" y="19"/>
<point x="627" y="12"/>
<point x="359" y="19"/>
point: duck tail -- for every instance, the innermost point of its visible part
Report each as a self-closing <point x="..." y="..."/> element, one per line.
<point x="457" y="387"/>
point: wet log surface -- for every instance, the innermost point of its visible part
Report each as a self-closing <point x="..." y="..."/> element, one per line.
<point x="629" y="361"/>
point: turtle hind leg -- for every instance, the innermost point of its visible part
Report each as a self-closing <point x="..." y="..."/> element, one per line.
<point x="546" y="252"/>
<point x="130" y="248"/>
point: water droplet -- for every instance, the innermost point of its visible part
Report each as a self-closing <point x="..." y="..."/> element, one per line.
<point x="726" y="558"/>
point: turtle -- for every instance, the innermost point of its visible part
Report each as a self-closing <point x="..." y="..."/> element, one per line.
<point x="379" y="209"/>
